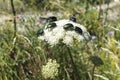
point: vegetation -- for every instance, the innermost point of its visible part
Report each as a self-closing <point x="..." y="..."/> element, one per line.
<point x="24" y="57"/>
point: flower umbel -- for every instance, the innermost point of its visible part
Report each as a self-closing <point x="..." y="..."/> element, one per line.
<point x="50" y="70"/>
<point x="64" y="30"/>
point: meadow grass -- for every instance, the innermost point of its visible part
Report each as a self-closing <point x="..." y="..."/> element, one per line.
<point x="22" y="57"/>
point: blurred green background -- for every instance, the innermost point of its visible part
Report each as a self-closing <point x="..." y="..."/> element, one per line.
<point x="23" y="56"/>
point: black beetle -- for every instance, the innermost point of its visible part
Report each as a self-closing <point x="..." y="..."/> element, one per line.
<point x="78" y="30"/>
<point x="68" y="26"/>
<point x="50" y="25"/>
<point x="48" y="19"/>
<point x="51" y="19"/>
<point x="73" y="18"/>
<point x="40" y="32"/>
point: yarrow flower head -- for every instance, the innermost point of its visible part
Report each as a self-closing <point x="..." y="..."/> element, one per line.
<point x="65" y="31"/>
<point x="50" y="70"/>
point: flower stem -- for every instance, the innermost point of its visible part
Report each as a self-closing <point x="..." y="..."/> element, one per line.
<point x="74" y="65"/>
<point x="13" y="52"/>
<point x="93" y="72"/>
<point x="14" y="21"/>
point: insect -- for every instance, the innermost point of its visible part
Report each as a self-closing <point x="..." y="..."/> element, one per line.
<point x="73" y="18"/>
<point x="51" y="19"/>
<point x="40" y="32"/>
<point x="48" y="19"/>
<point x="66" y="25"/>
<point x="50" y="25"/>
<point x="78" y="30"/>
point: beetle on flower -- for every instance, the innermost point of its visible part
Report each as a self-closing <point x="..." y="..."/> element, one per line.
<point x="65" y="30"/>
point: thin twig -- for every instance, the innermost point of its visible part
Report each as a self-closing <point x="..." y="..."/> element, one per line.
<point x="14" y="21"/>
<point x="13" y="52"/>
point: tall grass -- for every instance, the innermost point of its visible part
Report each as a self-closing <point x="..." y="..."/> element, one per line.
<point x="98" y="59"/>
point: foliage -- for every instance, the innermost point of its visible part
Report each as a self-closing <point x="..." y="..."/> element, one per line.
<point x="6" y="7"/>
<point x="35" y="3"/>
<point x="25" y="56"/>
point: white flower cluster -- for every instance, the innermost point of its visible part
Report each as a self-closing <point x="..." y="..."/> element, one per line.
<point x="50" y="70"/>
<point x="58" y="33"/>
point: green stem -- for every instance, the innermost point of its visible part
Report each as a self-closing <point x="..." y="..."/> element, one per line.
<point x="14" y="14"/>
<point x="93" y="72"/>
<point x="74" y="65"/>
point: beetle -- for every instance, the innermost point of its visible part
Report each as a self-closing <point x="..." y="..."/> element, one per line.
<point x="51" y="19"/>
<point x="68" y="26"/>
<point x="50" y="25"/>
<point x="73" y="18"/>
<point x="40" y="32"/>
<point x="48" y="19"/>
<point x="78" y="30"/>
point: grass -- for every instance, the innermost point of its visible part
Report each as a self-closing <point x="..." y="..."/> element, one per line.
<point x="22" y="57"/>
